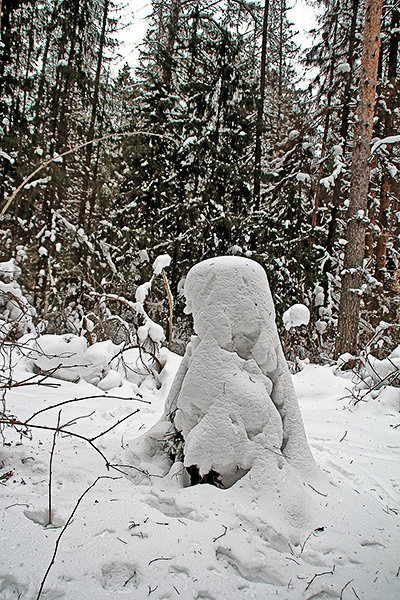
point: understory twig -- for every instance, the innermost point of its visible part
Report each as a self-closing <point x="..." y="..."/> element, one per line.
<point x="343" y="588"/>
<point x="42" y="410"/>
<point x="49" y="514"/>
<point x="319" y="575"/>
<point x="222" y="534"/>
<point x="11" y="421"/>
<point x="71" y="516"/>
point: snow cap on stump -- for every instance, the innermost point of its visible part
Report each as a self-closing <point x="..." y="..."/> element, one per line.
<point x="232" y="400"/>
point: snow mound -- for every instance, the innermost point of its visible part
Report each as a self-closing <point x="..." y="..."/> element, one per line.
<point x="296" y="315"/>
<point x="69" y="357"/>
<point x="232" y="413"/>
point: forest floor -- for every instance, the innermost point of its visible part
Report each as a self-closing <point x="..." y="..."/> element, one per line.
<point x="157" y="540"/>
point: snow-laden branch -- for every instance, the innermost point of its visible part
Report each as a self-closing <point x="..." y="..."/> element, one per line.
<point x="59" y="157"/>
<point x="391" y="139"/>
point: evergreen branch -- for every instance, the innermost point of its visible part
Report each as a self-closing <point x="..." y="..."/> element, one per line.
<point x="46" y="163"/>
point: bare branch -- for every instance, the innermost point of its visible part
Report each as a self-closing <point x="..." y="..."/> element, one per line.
<point x="71" y="516"/>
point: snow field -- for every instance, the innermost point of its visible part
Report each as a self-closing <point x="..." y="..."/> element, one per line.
<point x="157" y="539"/>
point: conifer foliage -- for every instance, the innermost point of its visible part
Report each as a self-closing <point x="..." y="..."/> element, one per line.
<point x="213" y="145"/>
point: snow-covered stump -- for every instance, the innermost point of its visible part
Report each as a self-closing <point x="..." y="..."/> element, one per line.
<point x="232" y="412"/>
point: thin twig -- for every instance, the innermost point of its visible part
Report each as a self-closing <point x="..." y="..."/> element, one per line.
<point x="15" y="422"/>
<point x="49" y="515"/>
<point x="46" y="163"/>
<point x="96" y="437"/>
<point x="70" y="518"/>
<point x="42" y="410"/>
<point x="222" y="534"/>
<point x="319" y="575"/>
<point x="343" y="588"/>
<point x="342" y="438"/>
<point x="171" y="308"/>
<point x="355" y="593"/>
<point x="160" y="558"/>
<point x="320" y="493"/>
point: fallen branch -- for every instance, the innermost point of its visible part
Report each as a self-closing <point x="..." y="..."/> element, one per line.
<point x="319" y="575"/>
<point x="222" y="534"/>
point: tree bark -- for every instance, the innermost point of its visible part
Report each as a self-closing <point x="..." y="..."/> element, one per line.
<point x="349" y="309"/>
<point x="344" y="134"/>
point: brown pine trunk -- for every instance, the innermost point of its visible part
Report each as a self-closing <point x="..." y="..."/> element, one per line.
<point x="349" y="309"/>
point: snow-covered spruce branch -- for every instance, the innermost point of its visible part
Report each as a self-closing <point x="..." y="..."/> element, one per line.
<point x="60" y="156"/>
<point x="391" y="139"/>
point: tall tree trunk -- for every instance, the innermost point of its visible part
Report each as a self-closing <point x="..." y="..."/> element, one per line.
<point x="328" y="109"/>
<point x="260" y="112"/>
<point x="385" y="195"/>
<point x="42" y="78"/>
<point x="93" y="116"/>
<point x="344" y="133"/>
<point x="172" y="31"/>
<point x="349" y="309"/>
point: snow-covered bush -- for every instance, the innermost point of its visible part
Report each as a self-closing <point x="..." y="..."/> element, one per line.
<point x="16" y="314"/>
<point x="88" y="354"/>
<point x="232" y="409"/>
<point x="376" y="366"/>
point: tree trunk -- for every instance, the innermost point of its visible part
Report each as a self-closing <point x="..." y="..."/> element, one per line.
<point x="93" y="116"/>
<point x="166" y="72"/>
<point x="349" y="309"/>
<point x="386" y="185"/>
<point x="344" y="132"/>
<point x="260" y="112"/>
<point x="314" y="216"/>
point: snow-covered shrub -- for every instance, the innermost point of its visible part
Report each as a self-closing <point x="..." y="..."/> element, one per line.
<point x="75" y="356"/>
<point x="232" y="408"/>
<point x="16" y="314"/>
<point x="376" y="366"/>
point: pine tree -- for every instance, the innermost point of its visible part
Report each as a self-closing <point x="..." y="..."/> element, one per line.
<point x="358" y="197"/>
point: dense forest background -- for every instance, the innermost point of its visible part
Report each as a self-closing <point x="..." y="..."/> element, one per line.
<point x="213" y="145"/>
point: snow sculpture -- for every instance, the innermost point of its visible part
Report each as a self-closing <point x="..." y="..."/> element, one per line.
<point x="232" y="405"/>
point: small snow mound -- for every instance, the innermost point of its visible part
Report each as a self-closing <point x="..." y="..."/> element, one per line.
<point x="296" y="315"/>
<point x="161" y="262"/>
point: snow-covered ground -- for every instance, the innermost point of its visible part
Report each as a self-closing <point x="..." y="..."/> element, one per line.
<point x="155" y="539"/>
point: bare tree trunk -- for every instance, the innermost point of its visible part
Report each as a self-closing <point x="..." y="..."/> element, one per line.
<point x="328" y="109"/>
<point x="260" y="112"/>
<point x="166" y="72"/>
<point x="349" y="309"/>
<point x="93" y="116"/>
<point x="344" y="131"/>
<point x="386" y="185"/>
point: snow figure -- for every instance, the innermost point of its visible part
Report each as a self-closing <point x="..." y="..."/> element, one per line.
<point x="232" y="410"/>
